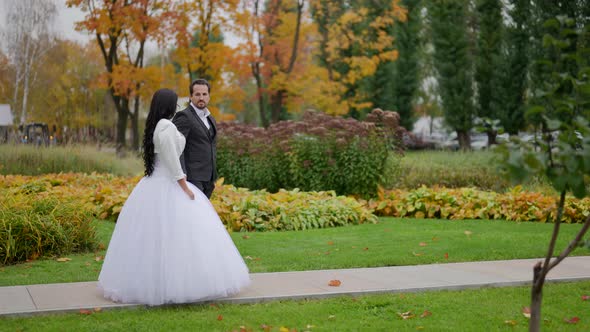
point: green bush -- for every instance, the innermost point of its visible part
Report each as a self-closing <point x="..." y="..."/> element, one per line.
<point x="316" y="154"/>
<point x="480" y="169"/>
<point x="34" y="225"/>
<point x="244" y="210"/>
<point x="30" y="160"/>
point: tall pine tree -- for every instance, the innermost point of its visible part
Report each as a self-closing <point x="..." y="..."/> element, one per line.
<point x="514" y="68"/>
<point x="488" y="60"/>
<point x="396" y="83"/>
<point x="453" y="64"/>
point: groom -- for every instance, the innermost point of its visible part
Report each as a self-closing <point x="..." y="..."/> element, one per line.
<point x="198" y="127"/>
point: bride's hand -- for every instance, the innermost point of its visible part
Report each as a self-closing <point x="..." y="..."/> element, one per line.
<point x="185" y="188"/>
<point x="190" y="194"/>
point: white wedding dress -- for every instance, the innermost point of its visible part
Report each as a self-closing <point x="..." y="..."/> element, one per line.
<point x="167" y="248"/>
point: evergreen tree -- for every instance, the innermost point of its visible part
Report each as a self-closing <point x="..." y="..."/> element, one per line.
<point x="406" y="77"/>
<point x="514" y="68"/>
<point x="488" y="60"/>
<point x="453" y="65"/>
<point x="395" y="84"/>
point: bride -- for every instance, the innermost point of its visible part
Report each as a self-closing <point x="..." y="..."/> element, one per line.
<point x="169" y="245"/>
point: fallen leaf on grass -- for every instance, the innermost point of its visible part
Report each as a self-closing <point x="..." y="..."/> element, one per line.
<point x="220" y="317"/>
<point x="573" y="320"/>
<point x="366" y="248"/>
<point x="101" y="246"/>
<point x="406" y="315"/>
<point x="283" y="329"/>
<point x="87" y="264"/>
<point x="85" y="312"/>
<point x="246" y="237"/>
<point x="265" y="328"/>
<point x="247" y="257"/>
<point x="331" y="317"/>
<point x="434" y="239"/>
<point x="63" y="259"/>
<point x="422" y="244"/>
<point x="330" y="243"/>
<point x="257" y="258"/>
<point x="98" y="309"/>
<point x="526" y="311"/>
<point x="417" y="253"/>
<point x="426" y="313"/>
<point x="511" y="322"/>
<point x="446" y="255"/>
<point x="468" y="233"/>
<point x="585" y="297"/>
<point x="335" y="283"/>
<point x="309" y="326"/>
<point x="98" y="258"/>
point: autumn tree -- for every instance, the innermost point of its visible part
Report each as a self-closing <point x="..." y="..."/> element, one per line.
<point x="26" y="37"/>
<point x="354" y="39"/>
<point x="200" y="52"/>
<point x="6" y="72"/>
<point x="72" y="101"/>
<point x="122" y="29"/>
<point x="275" y="51"/>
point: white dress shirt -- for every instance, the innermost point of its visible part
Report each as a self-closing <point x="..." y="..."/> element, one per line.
<point x="202" y="114"/>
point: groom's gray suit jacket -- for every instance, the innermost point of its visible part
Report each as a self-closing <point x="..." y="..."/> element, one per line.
<point x="198" y="160"/>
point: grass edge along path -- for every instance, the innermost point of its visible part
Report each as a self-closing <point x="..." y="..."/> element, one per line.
<point x="565" y="308"/>
<point x="391" y="242"/>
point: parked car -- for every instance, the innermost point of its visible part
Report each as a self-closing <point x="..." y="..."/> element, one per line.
<point x="478" y="142"/>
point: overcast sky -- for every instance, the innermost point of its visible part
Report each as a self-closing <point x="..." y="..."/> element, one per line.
<point x="64" y="26"/>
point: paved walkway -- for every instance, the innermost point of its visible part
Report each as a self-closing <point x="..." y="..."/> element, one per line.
<point x="33" y="299"/>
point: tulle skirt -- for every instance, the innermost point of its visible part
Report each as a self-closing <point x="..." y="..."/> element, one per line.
<point x="167" y="248"/>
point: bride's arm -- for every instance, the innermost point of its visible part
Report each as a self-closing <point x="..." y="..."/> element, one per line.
<point x="170" y="158"/>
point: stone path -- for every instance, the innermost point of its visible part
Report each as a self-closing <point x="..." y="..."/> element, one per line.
<point x="48" y="298"/>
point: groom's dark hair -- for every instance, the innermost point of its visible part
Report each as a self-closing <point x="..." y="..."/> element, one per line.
<point x="199" y="81"/>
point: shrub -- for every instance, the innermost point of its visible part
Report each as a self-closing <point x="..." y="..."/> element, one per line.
<point x="35" y="224"/>
<point x="480" y="169"/>
<point x="30" y="160"/>
<point x="244" y="210"/>
<point x="238" y="208"/>
<point x="318" y="153"/>
<point x="470" y="203"/>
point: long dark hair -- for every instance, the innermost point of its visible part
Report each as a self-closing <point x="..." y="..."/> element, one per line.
<point x="163" y="106"/>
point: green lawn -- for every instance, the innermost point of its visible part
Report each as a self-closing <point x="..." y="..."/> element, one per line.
<point x="491" y="309"/>
<point x="391" y="242"/>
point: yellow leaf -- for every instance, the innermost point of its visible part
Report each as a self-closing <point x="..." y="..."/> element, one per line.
<point x="63" y="259"/>
<point x="406" y="315"/>
<point x="526" y="311"/>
